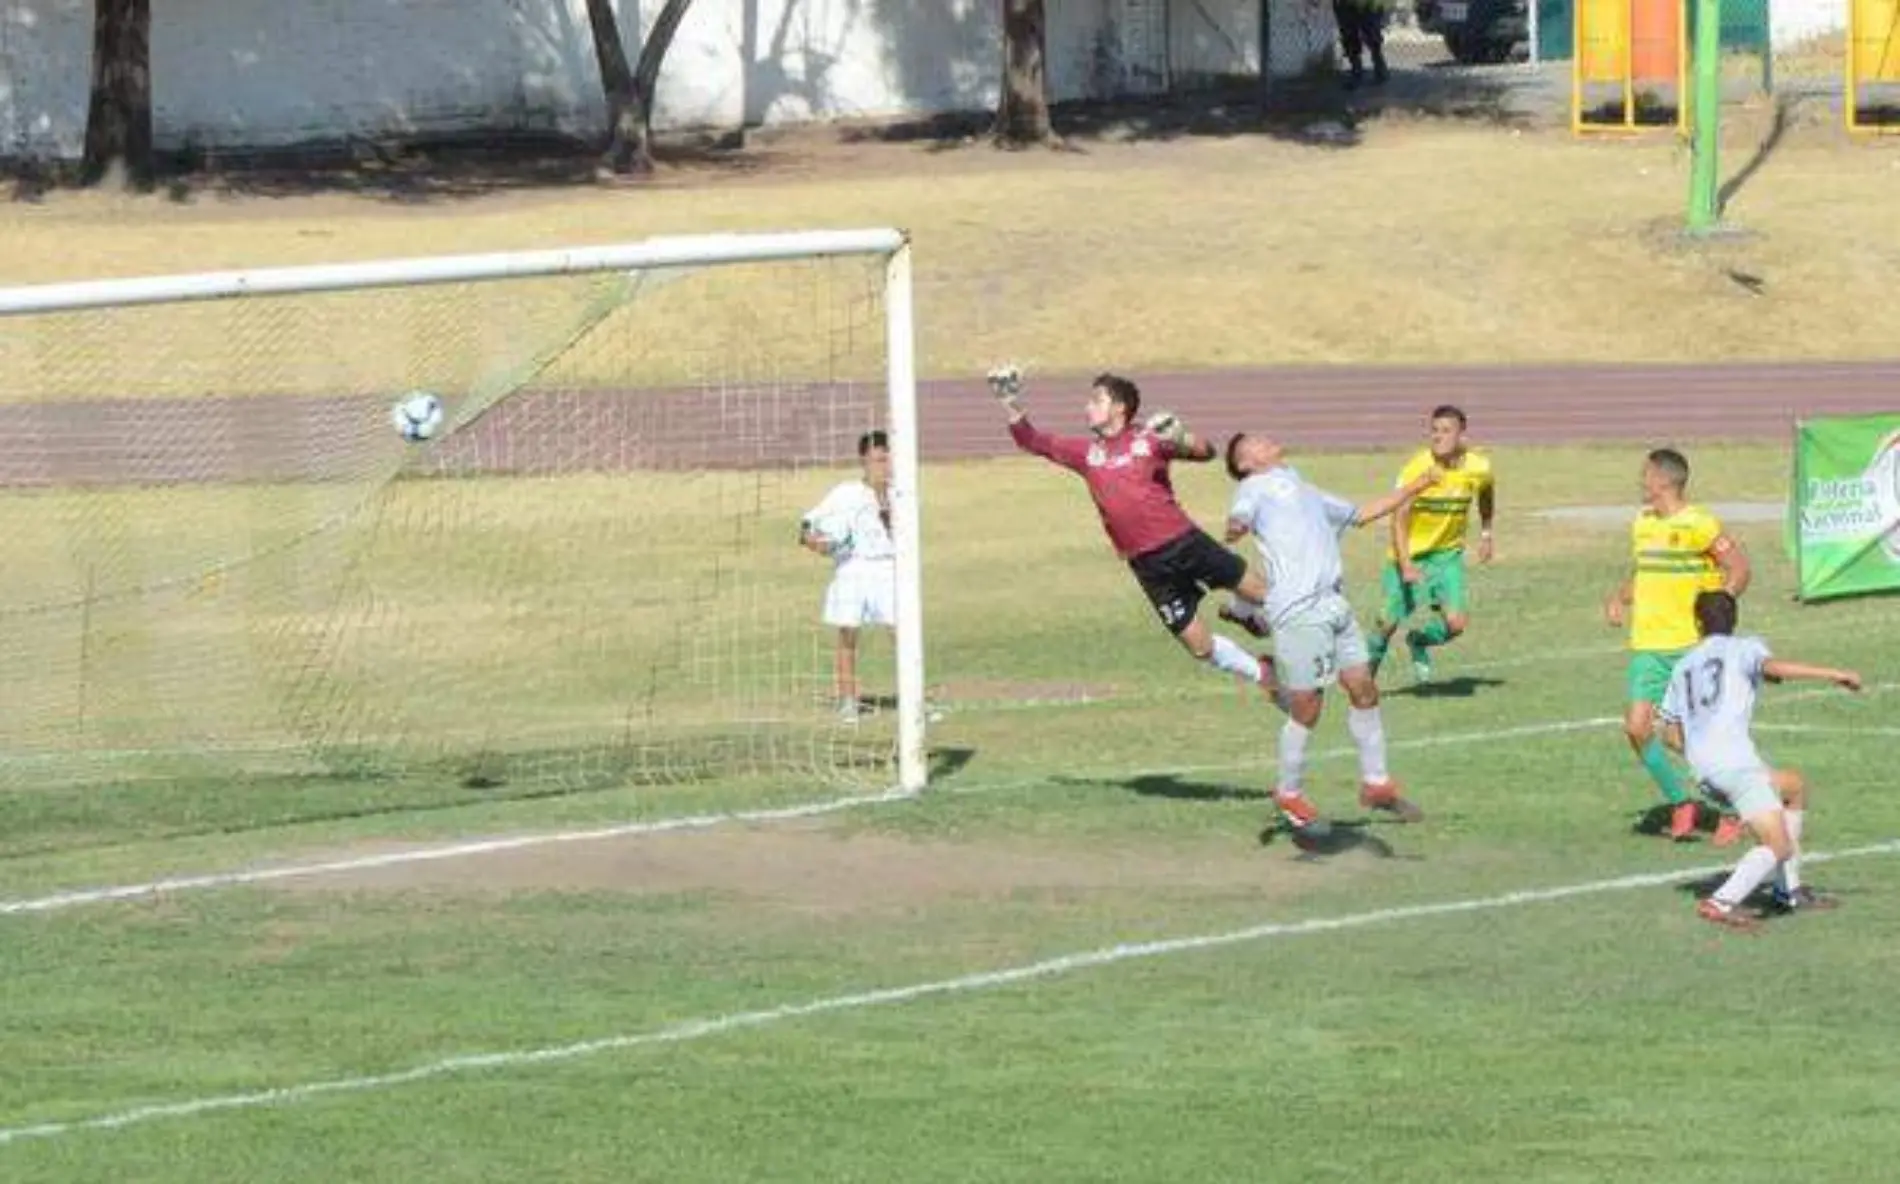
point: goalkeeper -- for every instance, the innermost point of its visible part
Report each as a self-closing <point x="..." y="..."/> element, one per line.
<point x="1125" y="464"/>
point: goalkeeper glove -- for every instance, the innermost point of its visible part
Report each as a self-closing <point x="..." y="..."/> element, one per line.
<point x="1169" y="427"/>
<point x="1006" y="383"/>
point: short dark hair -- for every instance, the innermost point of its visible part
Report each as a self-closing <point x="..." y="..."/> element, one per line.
<point x="1447" y="411"/>
<point x="1716" y="612"/>
<point x="1671" y="464"/>
<point x="873" y="439"/>
<point x="1121" y="391"/>
<point x="1233" y="450"/>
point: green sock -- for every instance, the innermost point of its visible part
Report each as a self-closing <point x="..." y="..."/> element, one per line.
<point x="1376" y="647"/>
<point x="1435" y="632"/>
<point x="1656" y="760"/>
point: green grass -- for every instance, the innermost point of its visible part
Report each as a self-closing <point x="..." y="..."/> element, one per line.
<point x="1604" y="1037"/>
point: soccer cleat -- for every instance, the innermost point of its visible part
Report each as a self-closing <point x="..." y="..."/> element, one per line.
<point x="1728" y="830"/>
<point x="848" y="712"/>
<point x="1804" y="900"/>
<point x="1385" y="796"/>
<point x="1294" y="806"/>
<point x="1713" y="911"/>
<point x="1682" y="822"/>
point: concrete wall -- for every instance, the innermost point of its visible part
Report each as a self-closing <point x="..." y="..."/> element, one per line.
<point x="235" y="73"/>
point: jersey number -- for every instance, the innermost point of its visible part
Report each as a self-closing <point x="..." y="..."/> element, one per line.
<point x="1703" y="698"/>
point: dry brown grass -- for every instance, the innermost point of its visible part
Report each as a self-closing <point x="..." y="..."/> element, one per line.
<point x="1430" y="242"/>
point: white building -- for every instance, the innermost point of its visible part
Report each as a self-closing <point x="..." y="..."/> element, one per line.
<point x="253" y="73"/>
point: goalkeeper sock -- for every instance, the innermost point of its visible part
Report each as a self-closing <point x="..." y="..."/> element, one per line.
<point x="1656" y="760"/>
<point x="1231" y="658"/>
<point x="1434" y="632"/>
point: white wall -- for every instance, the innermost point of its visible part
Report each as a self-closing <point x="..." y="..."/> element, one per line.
<point x="237" y="73"/>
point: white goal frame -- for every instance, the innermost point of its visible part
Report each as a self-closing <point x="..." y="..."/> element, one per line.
<point x="890" y="245"/>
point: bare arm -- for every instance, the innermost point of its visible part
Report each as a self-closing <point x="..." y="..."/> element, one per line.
<point x="1236" y="530"/>
<point x="1782" y="670"/>
<point x="1402" y="535"/>
<point x="1487" y="510"/>
<point x="1615" y="604"/>
<point x="1732" y="558"/>
<point x="1378" y="508"/>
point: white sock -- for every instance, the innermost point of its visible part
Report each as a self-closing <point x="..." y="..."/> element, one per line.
<point x="1231" y="658"/>
<point x="1755" y="867"/>
<point x="1368" y="732"/>
<point x="1292" y="756"/>
<point x="1788" y="875"/>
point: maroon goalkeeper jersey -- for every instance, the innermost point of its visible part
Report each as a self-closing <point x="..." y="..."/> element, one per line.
<point x="1127" y="475"/>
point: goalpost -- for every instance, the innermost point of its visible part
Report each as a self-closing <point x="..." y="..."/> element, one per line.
<point x="221" y="558"/>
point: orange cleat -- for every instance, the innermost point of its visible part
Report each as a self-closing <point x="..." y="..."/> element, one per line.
<point x="1734" y="919"/>
<point x="1682" y="822"/>
<point x="1294" y="806"/>
<point x="1385" y="796"/>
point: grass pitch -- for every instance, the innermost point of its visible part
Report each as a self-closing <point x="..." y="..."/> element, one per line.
<point x="1097" y="789"/>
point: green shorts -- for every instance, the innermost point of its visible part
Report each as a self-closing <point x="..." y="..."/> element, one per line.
<point x="1648" y="674"/>
<point x="1441" y="584"/>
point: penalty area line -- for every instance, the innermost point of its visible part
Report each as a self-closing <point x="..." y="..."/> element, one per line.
<point x="719" y="1025"/>
<point x="474" y="848"/>
<point x="76" y="898"/>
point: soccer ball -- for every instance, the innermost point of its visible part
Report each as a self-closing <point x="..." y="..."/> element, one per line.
<point x="417" y="416"/>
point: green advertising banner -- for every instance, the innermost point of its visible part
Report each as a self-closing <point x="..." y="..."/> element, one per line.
<point x="1844" y="515"/>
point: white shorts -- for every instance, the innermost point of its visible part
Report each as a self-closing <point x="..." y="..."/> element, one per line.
<point x="862" y="592"/>
<point x="1746" y="791"/>
<point x="1313" y="644"/>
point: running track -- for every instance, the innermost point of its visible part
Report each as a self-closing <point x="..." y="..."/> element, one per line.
<point x="348" y="437"/>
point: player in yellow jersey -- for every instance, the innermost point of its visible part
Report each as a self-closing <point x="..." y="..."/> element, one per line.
<point x="1677" y="550"/>
<point x="1426" y="561"/>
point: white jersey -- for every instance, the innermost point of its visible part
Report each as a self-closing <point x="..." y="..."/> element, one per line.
<point x="1297" y="529"/>
<point x="852" y="519"/>
<point x="1711" y="696"/>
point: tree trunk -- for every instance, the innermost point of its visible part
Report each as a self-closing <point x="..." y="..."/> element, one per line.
<point x="119" y="113"/>
<point x="629" y="92"/>
<point x="1022" y="115"/>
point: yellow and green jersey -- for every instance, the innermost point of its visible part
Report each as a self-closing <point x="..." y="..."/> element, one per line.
<point x="1674" y="561"/>
<point x="1441" y="514"/>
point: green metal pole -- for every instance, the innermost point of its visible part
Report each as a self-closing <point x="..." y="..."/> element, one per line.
<point x="1704" y="174"/>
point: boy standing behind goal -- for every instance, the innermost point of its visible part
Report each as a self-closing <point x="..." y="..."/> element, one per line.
<point x="852" y="526"/>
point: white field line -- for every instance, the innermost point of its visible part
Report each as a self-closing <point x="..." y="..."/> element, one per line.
<point x="479" y="847"/>
<point x="720" y="1025"/>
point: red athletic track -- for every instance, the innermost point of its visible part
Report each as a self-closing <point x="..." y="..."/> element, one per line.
<point x="340" y="438"/>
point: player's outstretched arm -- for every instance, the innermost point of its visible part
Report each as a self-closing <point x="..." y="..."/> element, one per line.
<point x="1392" y="502"/>
<point x="1006" y="383"/>
<point x="1782" y="670"/>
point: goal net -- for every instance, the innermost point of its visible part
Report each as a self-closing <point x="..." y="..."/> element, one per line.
<point x="222" y="559"/>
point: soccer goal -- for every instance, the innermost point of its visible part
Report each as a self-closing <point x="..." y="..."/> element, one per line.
<point x="222" y="557"/>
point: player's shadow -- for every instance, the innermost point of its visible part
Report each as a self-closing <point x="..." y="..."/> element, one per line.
<point x="1654" y="821"/>
<point x="1171" y="785"/>
<point x="1328" y="839"/>
<point x="1463" y="686"/>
